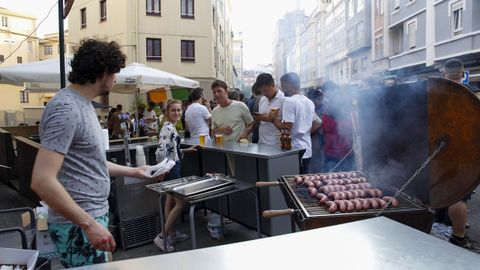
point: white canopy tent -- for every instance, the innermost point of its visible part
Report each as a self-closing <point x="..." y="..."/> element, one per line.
<point x="44" y="76"/>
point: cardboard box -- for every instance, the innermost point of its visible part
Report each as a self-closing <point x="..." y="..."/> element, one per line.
<point x="19" y="256"/>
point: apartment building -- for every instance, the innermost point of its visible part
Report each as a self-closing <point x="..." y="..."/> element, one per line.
<point x="49" y="46"/>
<point x="16" y="47"/>
<point x="186" y="37"/>
<point x="284" y="41"/>
<point x="424" y="34"/>
<point x="357" y="26"/>
<point x="380" y="38"/>
<point x="238" y="60"/>
<point x="337" y="64"/>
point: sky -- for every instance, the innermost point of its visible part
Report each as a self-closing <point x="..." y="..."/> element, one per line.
<point x="254" y="18"/>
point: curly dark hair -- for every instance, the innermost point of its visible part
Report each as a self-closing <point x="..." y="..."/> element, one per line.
<point x="93" y="59"/>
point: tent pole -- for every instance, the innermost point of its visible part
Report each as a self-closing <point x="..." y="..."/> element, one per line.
<point x="137" y="128"/>
<point x="62" y="44"/>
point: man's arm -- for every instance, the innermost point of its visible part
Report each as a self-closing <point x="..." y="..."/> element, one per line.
<point x="135" y="172"/>
<point x="45" y="184"/>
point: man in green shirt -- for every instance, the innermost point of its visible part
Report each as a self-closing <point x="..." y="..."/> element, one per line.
<point x="230" y="118"/>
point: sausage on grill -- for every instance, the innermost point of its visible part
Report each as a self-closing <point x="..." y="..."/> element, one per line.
<point x="341" y="205"/>
<point x="365" y="204"/>
<point x="381" y="202"/>
<point x="298" y="180"/>
<point x="332" y="207"/>
<point x="322" y="198"/>
<point x="373" y="203"/>
<point x="313" y="191"/>
<point x="350" y="205"/>
<point x="358" y="204"/>
<point x="394" y="201"/>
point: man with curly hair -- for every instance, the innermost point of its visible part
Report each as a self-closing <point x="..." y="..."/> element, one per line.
<point x="71" y="173"/>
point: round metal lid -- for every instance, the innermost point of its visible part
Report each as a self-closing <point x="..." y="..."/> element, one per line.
<point x="453" y="116"/>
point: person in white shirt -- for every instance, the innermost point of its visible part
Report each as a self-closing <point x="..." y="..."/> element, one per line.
<point x="198" y="114"/>
<point x="298" y="116"/>
<point x="150" y="118"/>
<point x="272" y="99"/>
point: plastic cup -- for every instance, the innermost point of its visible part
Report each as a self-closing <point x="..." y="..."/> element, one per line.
<point x="219" y="139"/>
<point x="201" y="137"/>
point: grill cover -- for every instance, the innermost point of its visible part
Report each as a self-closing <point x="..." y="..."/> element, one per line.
<point x="401" y="125"/>
<point x="454" y="114"/>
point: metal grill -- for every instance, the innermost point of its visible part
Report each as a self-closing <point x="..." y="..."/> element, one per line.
<point x="309" y="214"/>
<point x="138" y="231"/>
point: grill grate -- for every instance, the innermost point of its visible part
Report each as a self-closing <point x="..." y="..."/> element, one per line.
<point x="313" y="209"/>
<point x="140" y="230"/>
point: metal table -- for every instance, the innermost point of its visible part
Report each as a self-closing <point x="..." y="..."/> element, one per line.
<point x="377" y="243"/>
<point x="239" y="186"/>
<point x="250" y="163"/>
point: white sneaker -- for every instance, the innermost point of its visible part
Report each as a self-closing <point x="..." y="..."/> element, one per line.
<point x="178" y="237"/>
<point x="159" y="242"/>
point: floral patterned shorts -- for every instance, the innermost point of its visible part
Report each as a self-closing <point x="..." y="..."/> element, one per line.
<point x="73" y="245"/>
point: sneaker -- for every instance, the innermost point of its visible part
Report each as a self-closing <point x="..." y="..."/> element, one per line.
<point x="178" y="237"/>
<point x="465" y="243"/>
<point x="441" y="231"/>
<point x="159" y="242"/>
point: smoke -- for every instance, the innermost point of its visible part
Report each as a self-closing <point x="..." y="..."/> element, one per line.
<point x="393" y="125"/>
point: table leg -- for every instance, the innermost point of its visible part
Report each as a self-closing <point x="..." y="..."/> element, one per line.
<point x="192" y="226"/>
<point x="220" y="210"/>
<point x="162" y="223"/>
<point x="257" y="210"/>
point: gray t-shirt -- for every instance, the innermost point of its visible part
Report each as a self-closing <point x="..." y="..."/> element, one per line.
<point x="70" y="127"/>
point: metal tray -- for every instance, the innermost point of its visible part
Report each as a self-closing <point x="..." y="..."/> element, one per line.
<point x="201" y="186"/>
<point x="167" y="186"/>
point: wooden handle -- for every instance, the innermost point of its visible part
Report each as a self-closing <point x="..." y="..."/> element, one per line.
<point x="267" y="184"/>
<point x="277" y="213"/>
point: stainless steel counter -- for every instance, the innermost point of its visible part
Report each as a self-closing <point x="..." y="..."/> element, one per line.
<point x="249" y="150"/>
<point x="378" y="243"/>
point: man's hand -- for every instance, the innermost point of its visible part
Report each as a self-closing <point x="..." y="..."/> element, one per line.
<point x="225" y="130"/>
<point x="99" y="237"/>
<point x="265" y="117"/>
<point x="139" y="172"/>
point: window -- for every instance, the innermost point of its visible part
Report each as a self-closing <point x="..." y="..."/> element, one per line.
<point x="351" y="38"/>
<point x="2" y="58"/>
<point x="360" y="35"/>
<point x="187" y="9"/>
<point x="360" y="4"/>
<point x="354" y="67"/>
<point x="379" y="49"/>
<point x="23" y="97"/>
<point x="364" y="64"/>
<point x="47" y="50"/>
<point x="154" y="49"/>
<point x="188" y="50"/>
<point x="412" y="33"/>
<point x="221" y="35"/>
<point x="83" y="18"/>
<point x="30" y="47"/>
<point x="214" y="19"/>
<point x="378" y="7"/>
<point x="153" y="7"/>
<point x="19" y="60"/>
<point x="396" y="4"/>
<point x="103" y="10"/>
<point x="457" y="17"/>
<point x="397" y="40"/>
<point x="351" y="8"/>
<point x="4" y="21"/>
